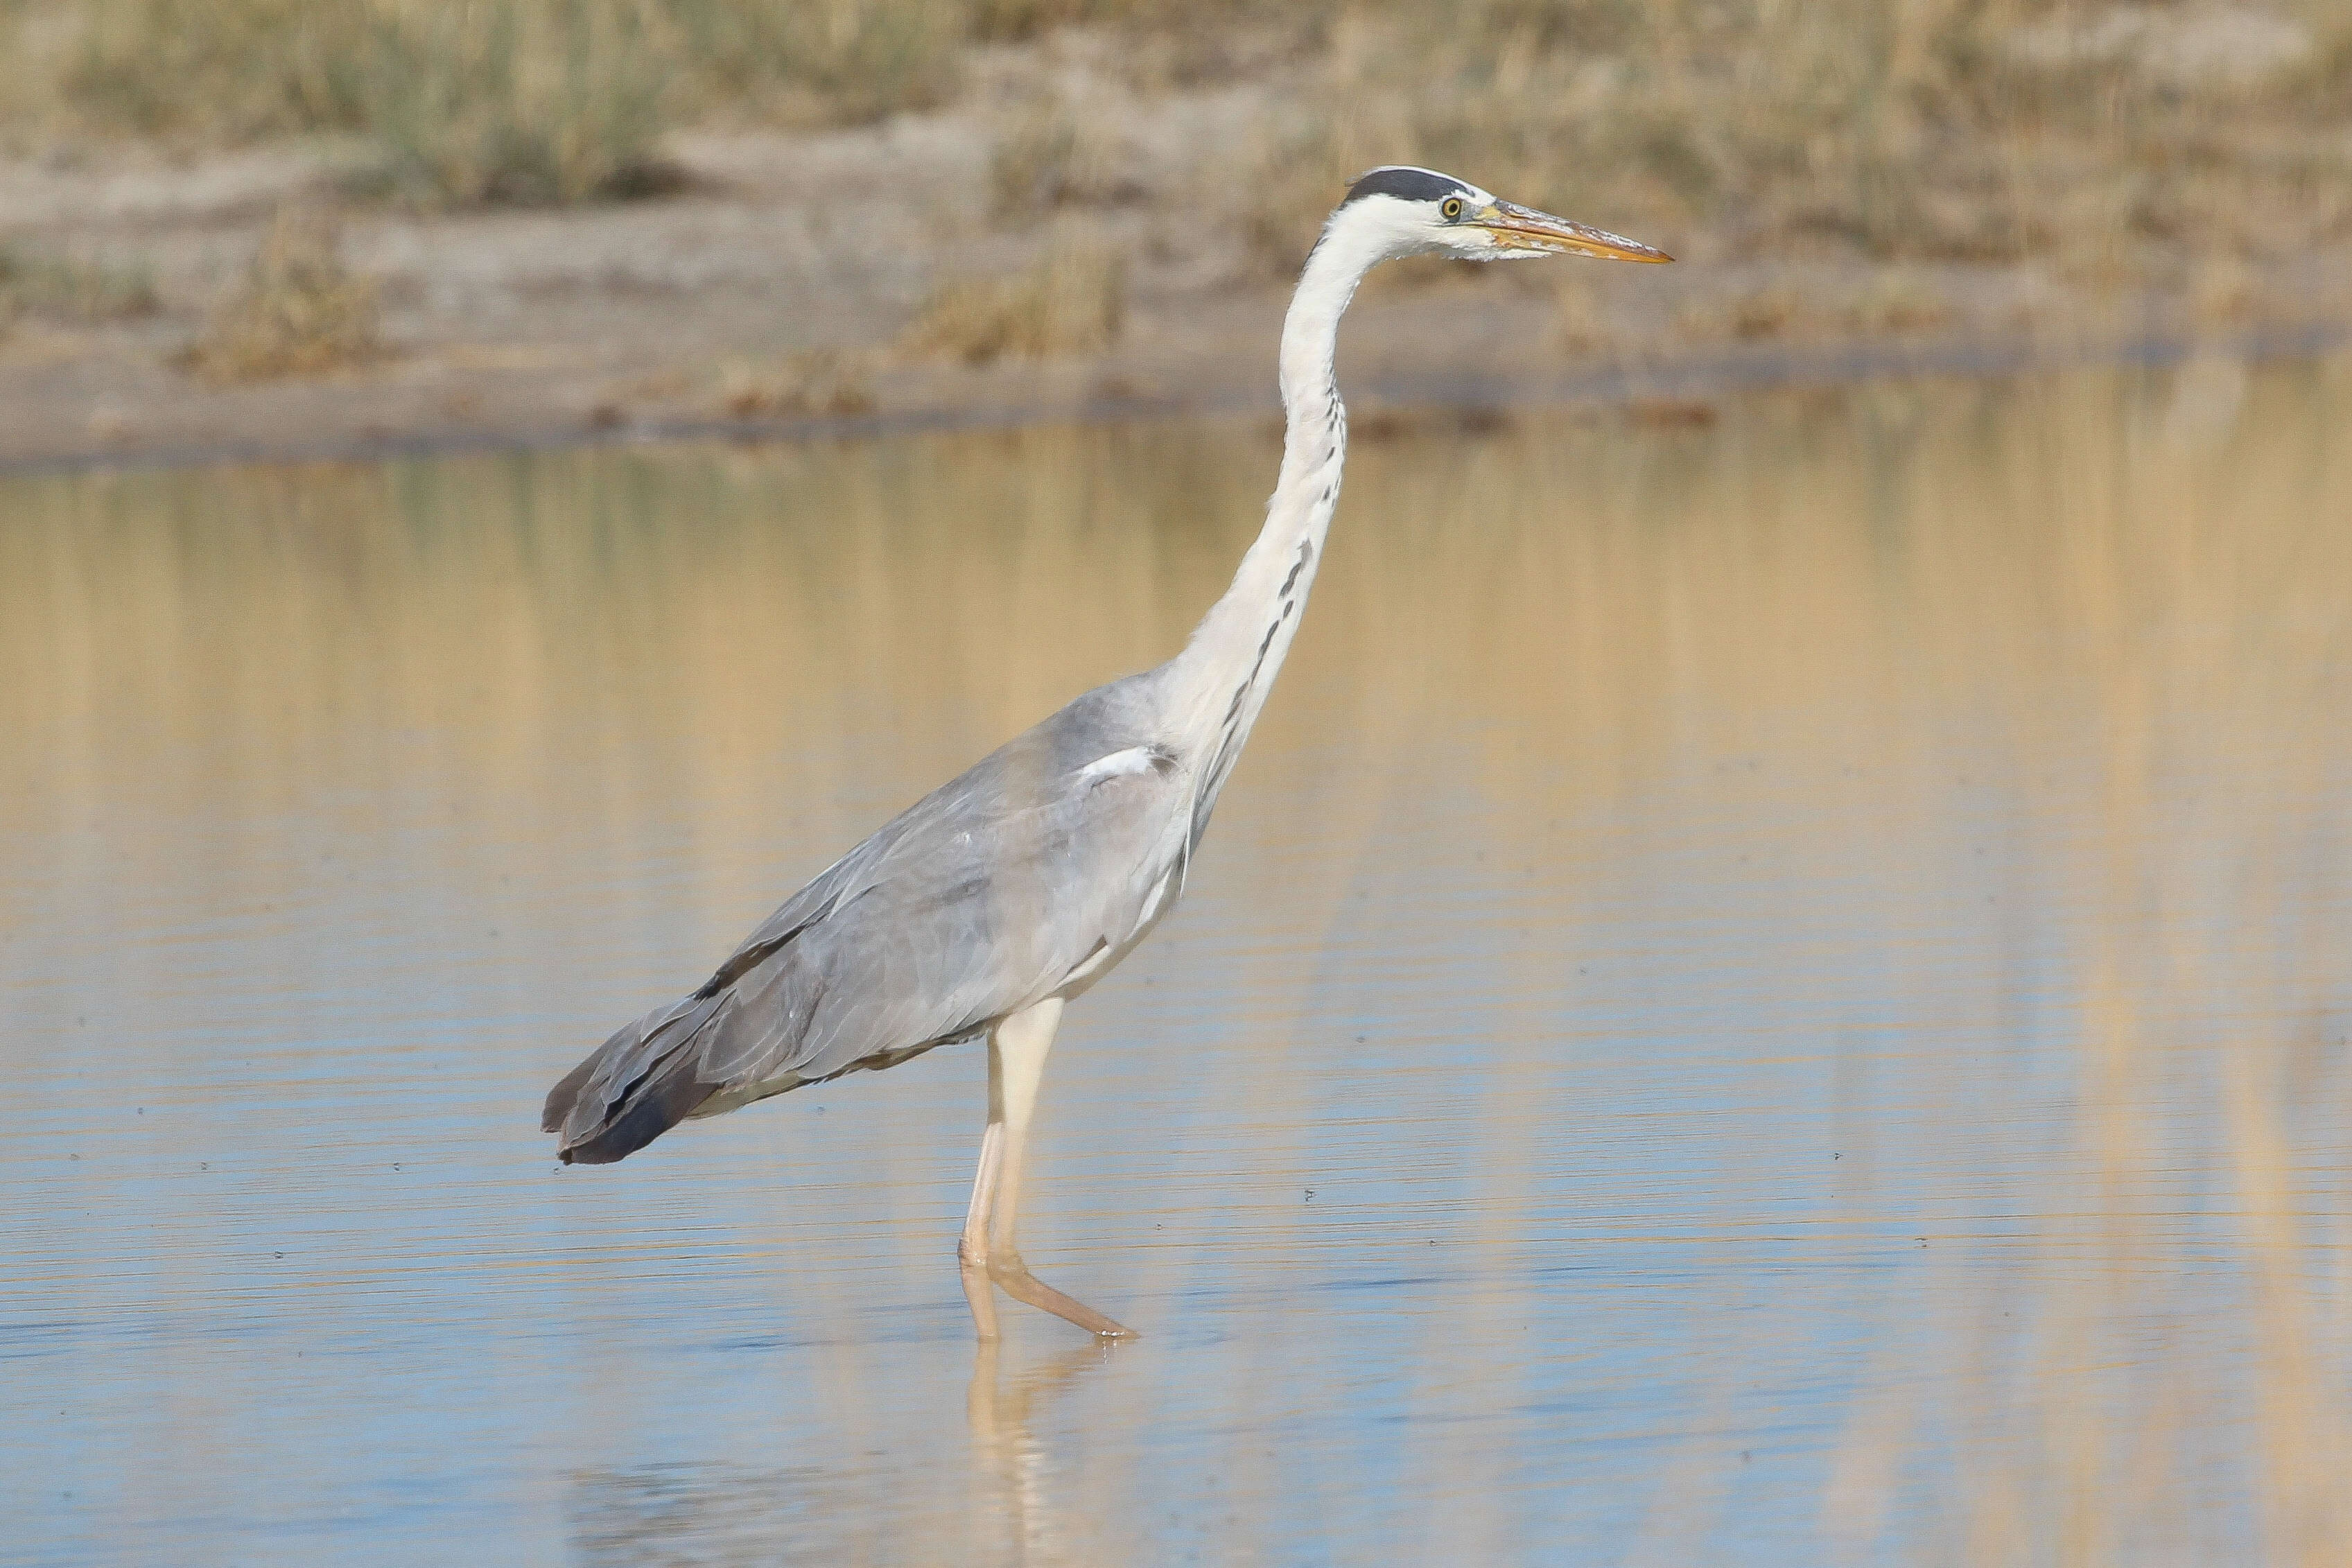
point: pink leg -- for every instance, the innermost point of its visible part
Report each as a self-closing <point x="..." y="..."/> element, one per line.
<point x="989" y="1252"/>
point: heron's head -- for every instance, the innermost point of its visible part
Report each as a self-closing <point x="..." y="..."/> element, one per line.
<point x="1406" y="211"/>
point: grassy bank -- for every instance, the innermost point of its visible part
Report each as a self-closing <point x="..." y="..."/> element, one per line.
<point x="1929" y="127"/>
<point x="1837" y="170"/>
<point x="524" y="101"/>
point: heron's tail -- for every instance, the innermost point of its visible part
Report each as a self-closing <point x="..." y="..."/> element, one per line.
<point x="632" y="1089"/>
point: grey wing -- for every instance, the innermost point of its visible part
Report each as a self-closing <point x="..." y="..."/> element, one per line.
<point x="1020" y="880"/>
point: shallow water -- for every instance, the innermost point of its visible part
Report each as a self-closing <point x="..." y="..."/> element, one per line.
<point x="1770" y="989"/>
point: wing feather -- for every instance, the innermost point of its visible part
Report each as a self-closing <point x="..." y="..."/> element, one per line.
<point x="1011" y="882"/>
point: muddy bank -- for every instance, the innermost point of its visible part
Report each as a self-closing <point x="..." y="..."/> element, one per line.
<point x="704" y="309"/>
<point x="366" y="422"/>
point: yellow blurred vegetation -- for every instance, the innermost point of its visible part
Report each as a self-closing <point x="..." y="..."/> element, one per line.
<point x="815" y="382"/>
<point x="1964" y="130"/>
<point x="1070" y="300"/>
<point x="71" y="287"/>
<point x="505" y="100"/>
<point x="1953" y="129"/>
<point x="299" y="311"/>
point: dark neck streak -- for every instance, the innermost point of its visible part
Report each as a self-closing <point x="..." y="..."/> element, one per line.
<point x="1220" y="682"/>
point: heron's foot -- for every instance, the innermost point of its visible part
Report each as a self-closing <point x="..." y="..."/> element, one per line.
<point x="1013" y="1276"/>
<point x="976" y="1292"/>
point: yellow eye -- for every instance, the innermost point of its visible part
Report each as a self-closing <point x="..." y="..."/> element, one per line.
<point x="1450" y="207"/>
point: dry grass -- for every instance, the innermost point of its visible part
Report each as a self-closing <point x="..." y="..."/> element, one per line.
<point x="821" y="380"/>
<point x="1053" y="155"/>
<point x="2126" y="146"/>
<point x="189" y="68"/>
<point x="507" y="100"/>
<point x="296" y="312"/>
<point x="1579" y="323"/>
<point x="1895" y="302"/>
<point x="521" y="105"/>
<point x="1944" y="129"/>
<point x="72" y="288"/>
<point x="1071" y="300"/>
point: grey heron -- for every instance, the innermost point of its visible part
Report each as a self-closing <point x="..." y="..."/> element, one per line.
<point x="987" y="905"/>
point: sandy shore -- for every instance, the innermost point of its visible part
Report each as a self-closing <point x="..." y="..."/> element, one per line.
<point x="650" y="318"/>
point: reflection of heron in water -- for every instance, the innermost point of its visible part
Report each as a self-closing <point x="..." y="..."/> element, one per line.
<point x="1005" y="1449"/>
<point x="856" y="1504"/>
<point x="1006" y="891"/>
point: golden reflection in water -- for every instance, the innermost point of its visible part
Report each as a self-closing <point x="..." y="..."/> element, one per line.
<point x="2050" y="680"/>
<point x="1018" y="1476"/>
<point x="1014" y="1509"/>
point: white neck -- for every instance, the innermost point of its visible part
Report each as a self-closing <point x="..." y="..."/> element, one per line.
<point x="1221" y="679"/>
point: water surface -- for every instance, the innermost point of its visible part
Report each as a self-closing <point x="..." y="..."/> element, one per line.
<point x="1768" y="990"/>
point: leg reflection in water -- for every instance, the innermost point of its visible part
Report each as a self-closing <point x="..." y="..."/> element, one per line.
<point x="1009" y="1472"/>
<point x="854" y="1474"/>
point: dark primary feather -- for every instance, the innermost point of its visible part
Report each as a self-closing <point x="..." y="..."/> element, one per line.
<point x="978" y="900"/>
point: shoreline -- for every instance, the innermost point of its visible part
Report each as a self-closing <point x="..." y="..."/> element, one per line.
<point x="1686" y="382"/>
<point x="166" y="306"/>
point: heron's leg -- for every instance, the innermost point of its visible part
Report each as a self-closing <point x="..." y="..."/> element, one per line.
<point x="971" y="1252"/>
<point x="1017" y="1060"/>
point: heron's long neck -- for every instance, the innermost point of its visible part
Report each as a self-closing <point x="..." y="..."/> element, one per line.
<point x="1225" y="671"/>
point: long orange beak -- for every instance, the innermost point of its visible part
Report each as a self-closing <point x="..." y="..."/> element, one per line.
<point x="1516" y="227"/>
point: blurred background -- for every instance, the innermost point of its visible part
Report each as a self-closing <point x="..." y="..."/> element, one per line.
<point x="1771" y="987"/>
<point x="525" y="215"/>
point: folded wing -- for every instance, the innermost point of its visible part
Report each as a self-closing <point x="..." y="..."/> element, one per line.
<point x="999" y="888"/>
